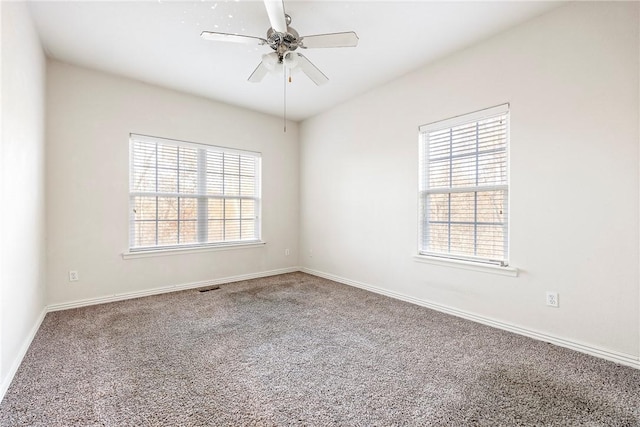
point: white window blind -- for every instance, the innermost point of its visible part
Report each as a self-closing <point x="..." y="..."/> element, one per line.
<point x="187" y="194"/>
<point x="464" y="192"/>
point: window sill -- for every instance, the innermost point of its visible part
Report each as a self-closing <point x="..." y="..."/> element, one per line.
<point x="468" y="265"/>
<point x="180" y="251"/>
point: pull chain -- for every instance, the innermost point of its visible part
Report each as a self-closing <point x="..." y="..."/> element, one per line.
<point x="284" y="114"/>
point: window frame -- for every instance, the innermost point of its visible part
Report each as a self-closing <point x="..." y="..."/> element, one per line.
<point x="203" y="150"/>
<point x="423" y="251"/>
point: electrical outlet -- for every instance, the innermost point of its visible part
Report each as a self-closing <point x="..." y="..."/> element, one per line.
<point x="287" y="252"/>
<point x="552" y="299"/>
<point x="310" y="253"/>
<point x="73" y="276"/>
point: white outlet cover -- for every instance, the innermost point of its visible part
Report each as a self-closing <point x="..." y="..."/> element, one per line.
<point x="73" y="276"/>
<point x="552" y="299"/>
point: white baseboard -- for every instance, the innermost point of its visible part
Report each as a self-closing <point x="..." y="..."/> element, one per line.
<point x="23" y="351"/>
<point x="165" y="289"/>
<point x="622" y="358"/>
<point x="613" y="356"/>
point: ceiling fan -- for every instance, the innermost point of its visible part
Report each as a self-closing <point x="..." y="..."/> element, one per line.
<point x="285" y="40"/>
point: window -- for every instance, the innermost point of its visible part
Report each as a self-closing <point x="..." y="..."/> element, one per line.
<point x="464" y="191"/>
<point x="184" y="194"/>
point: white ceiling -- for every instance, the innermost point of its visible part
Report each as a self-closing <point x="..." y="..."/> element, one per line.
<point x="159" y="42"/>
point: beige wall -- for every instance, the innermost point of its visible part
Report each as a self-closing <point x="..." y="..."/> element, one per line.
<point x="22" y="188"/>
<point x="571" y="77"/>
<point x="89" y="117"/>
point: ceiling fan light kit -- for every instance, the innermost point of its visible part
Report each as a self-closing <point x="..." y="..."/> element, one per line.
<point x="284" y="40"/>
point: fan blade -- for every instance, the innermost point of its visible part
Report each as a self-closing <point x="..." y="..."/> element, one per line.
<point x="311" y="70"/>
<point x="275" y="10"/>
<point x="269" y="63"/>
<point x="347" y="39"/>
<point x="259" y="73"/>
<point x="234" y="38"/>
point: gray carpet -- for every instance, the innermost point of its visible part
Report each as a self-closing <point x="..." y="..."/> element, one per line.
<point x="299" y="350"/>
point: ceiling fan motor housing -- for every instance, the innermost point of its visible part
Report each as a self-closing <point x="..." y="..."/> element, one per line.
<point x="283" y="42"/>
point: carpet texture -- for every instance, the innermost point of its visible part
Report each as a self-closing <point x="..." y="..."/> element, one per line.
<point x="295" y="349"/>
